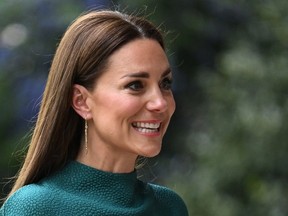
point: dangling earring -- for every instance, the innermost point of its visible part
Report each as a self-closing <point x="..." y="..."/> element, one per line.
<point x="86" y="136"/>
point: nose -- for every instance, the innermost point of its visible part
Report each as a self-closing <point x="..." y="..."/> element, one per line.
<point x="157" y="102"/>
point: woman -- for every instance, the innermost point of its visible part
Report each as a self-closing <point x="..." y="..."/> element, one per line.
<point x="107" y="101"/>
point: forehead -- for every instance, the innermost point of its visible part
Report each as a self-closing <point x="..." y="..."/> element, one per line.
<point x="141" y="55"/>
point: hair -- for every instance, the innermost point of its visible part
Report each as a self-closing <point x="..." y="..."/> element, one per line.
<point x="80" y="58"/>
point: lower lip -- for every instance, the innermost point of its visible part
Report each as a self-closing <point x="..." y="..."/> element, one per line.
<point x="149" y="134"/>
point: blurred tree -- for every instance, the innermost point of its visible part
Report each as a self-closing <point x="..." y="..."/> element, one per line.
<point x="243" y="145"/>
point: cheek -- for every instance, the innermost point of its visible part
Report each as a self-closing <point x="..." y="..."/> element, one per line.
<point x="120" y="105"/>
<point x="130" y="105"/>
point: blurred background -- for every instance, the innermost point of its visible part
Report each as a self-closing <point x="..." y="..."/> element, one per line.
<point x="226" y="149"/>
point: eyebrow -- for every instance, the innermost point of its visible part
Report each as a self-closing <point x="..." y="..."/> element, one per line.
<point x="143" y="74"/>
<point x="166" y="72"/>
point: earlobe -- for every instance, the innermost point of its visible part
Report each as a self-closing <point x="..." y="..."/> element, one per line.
<point x="79" y="100"/>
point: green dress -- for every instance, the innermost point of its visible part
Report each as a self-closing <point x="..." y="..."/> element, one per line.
<point x="78" y="189"/>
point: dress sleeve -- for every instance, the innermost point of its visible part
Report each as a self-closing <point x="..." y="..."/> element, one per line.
<point x="25" y="202"/>
<point x="171" y="200"/>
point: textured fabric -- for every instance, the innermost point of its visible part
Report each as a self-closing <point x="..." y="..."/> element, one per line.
<point x="82" y="190"/>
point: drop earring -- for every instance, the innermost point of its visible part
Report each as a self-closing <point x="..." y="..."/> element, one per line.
<point x="86" y="136"/>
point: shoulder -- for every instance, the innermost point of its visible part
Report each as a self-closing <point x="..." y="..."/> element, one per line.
<point x="169" y="198"/>
<point x="29" y="200"/>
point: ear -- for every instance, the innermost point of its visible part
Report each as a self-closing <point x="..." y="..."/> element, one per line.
<point x="79" y="101"/>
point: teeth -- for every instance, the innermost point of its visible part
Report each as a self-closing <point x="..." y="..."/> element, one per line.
<point x="145" y="130"/>
<point x="145" y="127"/>
<point x="142" y="125"/>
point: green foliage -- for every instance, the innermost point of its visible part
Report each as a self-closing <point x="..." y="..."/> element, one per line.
<point x="243" y="145"/>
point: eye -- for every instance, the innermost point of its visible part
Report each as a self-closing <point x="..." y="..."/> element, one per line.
<point x="166" y="83"/>
<point x="135" y="85"/>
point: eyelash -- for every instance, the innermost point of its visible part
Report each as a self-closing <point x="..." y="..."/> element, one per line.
<point x="166" y="83"/>
<point x="135" y="85"/>
<point x="138" y="85"/>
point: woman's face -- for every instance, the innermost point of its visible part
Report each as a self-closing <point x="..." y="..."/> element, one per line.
<point x="132" y="102"/>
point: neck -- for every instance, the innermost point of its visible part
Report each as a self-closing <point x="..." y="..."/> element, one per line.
<point x="106" y="160"/>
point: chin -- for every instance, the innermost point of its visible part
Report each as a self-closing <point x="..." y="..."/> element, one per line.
<point x="151" y="152"/>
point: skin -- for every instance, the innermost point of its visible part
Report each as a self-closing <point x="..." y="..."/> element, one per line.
<point x="136" y="87"/>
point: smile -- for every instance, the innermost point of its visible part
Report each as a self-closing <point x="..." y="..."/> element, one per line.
<point x="145" y="127"/>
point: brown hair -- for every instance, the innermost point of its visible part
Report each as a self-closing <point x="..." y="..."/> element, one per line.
<point x="80" y="59"/>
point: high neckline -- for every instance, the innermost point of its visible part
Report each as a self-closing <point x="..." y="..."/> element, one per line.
<point x="78" y="189"/>
<point x="93" y="171"/>
<point x="92" y="182"/>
